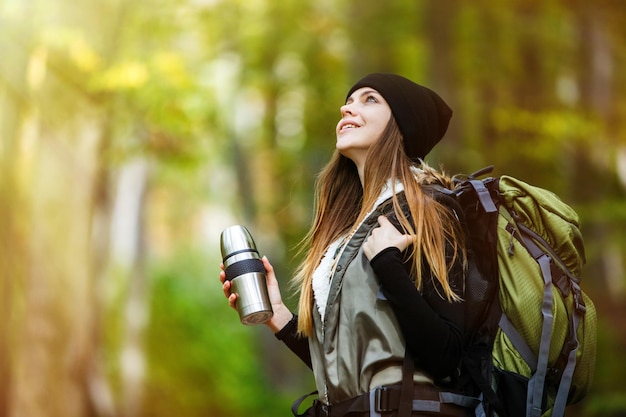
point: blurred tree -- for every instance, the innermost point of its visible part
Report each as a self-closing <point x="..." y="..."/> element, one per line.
<point x="13" y="239"/>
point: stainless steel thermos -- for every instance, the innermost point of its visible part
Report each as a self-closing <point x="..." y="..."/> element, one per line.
<point x="245" y="270"/>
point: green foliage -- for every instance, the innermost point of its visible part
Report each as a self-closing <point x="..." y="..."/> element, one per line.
<point x="607" y="405"/>
<point x="202" y="360"/>
<point x="608" y="391"/>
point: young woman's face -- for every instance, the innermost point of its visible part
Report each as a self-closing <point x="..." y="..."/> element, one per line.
<point x="364" y="117"/>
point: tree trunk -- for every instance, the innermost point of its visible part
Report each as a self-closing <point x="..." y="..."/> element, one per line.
<point x="129" y="253"/>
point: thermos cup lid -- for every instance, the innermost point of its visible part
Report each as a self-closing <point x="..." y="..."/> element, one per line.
<point x="236" y="239"/>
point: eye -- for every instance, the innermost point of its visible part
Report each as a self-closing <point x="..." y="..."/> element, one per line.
<point x="371" y="99"/>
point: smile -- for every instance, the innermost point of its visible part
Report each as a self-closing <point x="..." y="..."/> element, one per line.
<point x="348" y="126"/>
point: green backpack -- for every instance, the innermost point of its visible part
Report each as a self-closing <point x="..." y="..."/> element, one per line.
<point x="531" y="330"/>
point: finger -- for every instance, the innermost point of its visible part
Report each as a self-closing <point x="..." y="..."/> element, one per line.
<point x="383" y="220"/>
<point x="226" y="289"/>
<point x="386" y="224"/>
<point x="232" y="300"/>
<point x="269" y="269"/>
<point x="222" y="276"/>
<point x="266" y="263"/>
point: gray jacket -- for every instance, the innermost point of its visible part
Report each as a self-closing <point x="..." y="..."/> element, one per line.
<point x="359" y="345"/>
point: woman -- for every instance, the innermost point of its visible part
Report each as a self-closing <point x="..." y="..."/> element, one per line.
<point x="380" y="313"/>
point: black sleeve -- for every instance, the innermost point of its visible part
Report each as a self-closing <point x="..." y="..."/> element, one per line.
<point x="431" y="325"/>
<point x="297" y="344"/>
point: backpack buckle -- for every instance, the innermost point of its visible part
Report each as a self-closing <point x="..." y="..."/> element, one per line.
<point x="381" y="400"/>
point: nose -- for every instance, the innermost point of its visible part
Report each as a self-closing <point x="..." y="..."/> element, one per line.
<point x="345" y="110"/>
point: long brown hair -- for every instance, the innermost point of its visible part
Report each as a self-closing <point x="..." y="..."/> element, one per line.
<point x="342" y="203"/>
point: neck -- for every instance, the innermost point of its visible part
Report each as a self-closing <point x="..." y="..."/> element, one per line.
<point x="360" y="169"/>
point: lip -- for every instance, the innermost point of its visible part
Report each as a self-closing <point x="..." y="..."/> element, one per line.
<point x="346" y="122"/>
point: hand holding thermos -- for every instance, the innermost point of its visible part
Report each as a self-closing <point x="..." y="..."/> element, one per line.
<point x="248" y="281"/>
<point x="244" y="269"/>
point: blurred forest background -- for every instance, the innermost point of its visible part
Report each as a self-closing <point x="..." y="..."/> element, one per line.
<point x="134" y="132"/>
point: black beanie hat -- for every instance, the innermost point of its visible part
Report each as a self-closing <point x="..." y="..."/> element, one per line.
<point x="420" y="113"/>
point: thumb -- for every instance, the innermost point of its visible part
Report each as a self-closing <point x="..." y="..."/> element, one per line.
<point x="269" y="269"/>
<point x="383" y="220"/>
